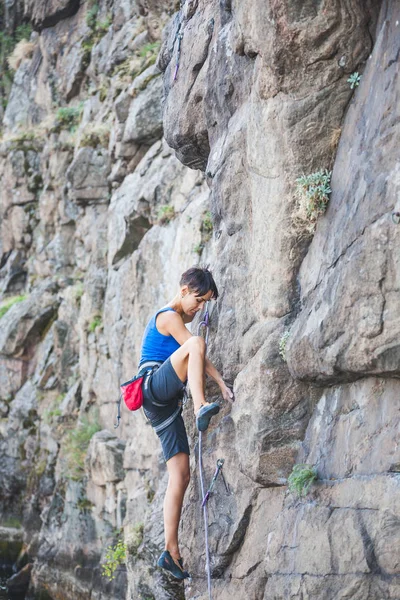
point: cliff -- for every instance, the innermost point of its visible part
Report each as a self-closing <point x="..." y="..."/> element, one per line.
<point x="141" y="138"/>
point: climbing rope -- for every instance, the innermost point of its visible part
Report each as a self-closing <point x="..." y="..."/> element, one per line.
<point x="205" y="517"/>
<point x="204" y="325"/>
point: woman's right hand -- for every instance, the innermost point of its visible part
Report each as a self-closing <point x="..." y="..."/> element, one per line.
<point x="227" y="393"/>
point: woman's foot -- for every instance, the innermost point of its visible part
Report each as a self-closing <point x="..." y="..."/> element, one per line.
<point x="174" y="567"/>
<point x="204" y="415"/>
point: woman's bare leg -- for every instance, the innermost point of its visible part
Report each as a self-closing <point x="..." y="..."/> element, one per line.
<point x="179" y="476"/>
<point x="188" y="363"/>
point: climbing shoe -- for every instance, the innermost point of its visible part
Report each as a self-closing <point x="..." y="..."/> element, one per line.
<point x="204" y="415"/>
<point x="167" y="562"/>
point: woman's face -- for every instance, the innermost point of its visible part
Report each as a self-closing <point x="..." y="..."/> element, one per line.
<point x="191" y="303"/>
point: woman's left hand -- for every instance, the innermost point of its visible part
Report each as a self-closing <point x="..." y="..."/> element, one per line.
<point x="227" y="393"/>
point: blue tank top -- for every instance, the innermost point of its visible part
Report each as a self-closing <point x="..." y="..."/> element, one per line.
<point x="155" y="345"/>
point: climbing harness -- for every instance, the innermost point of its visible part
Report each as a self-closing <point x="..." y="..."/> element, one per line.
<point x="145" y="372"/>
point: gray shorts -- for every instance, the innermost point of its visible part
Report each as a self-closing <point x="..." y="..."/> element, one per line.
<point x="166" y="390"/>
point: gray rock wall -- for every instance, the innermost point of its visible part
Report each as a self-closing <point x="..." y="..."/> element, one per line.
<point x="99" y="216"/>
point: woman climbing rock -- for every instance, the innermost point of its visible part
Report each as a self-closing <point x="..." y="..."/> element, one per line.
<point x="176" y="356"/>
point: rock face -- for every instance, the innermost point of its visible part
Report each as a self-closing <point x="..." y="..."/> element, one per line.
<point x="349" y="281"/>
<point x="98" y="220"/>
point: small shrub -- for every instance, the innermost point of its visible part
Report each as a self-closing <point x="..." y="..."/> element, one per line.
<point x="97" y="322"/>
<point x="313" y="192"/>
<point x="103" y="93"/>
<point x="198" y="249"/>
<point x="91" y="16"/>
<point x="301" y="478"/>
<point x="282" y="344"/>
<point x="150" y="49"/>
<point x="40" y="468"/>
<point x="206" y="227"/>
<point x="68" y="117"/>
<point x="103" y="26"/>
<point x="76" y="445"/>
<point x="12" y="522"/>
<point x="165" y="214"/>
<point x="50" y="414"/>
<point x="115" y="556"/>
<point x="150" y="492"/>
<point x="53" y="411"/>
<point x="78" y="292"/>
<point x="23" y="32"/>
<point x="134" y="538"/>
<point x="207" y="224"/>
<point x="354" y="80"/>
<point x="84" y="505"/>
<point x="7" y="304"/>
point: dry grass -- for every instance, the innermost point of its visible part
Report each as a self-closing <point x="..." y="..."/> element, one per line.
<point x="335" y="137"/>
<point x="95" y="135"/>
<point x="22" y="50"/>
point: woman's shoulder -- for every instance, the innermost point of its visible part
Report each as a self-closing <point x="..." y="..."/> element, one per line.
<point x="165" y="309"/>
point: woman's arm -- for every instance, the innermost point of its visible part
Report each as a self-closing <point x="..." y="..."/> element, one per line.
<point x="170" y="323"/>
<point x="226" y="392"/>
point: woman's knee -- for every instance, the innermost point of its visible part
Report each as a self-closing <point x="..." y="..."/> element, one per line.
<point x="196" y="343"/>
<point x="180" y="479"/>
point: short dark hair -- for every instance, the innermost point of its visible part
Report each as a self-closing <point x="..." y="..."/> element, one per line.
<point x="199" y="281"/>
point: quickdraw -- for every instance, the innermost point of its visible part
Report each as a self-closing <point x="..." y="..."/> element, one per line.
<point x="180" y="38"/>
<point x="396" y="217"/>
<point x="220" y="464"/>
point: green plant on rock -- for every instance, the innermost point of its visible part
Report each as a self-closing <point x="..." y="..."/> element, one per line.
<point x="115" y="556"/>
<point x="84" y="505"/>
<point x="68" y="117"/>
<point x="54" y="410"/>
<point x="150" y="50"/>
<point x="198" y="249"/>
<point x="23" y="32"/>
<point x="354" y="80"/>
<point x="282" y="344"/>
<point x="313" y="193"/>
<point x="165" y="214"/>
<point x="103" y="26"/>
<point x="206" y="227"/>
<point x="134" y="538"/>
<point x="207" y="224"/>
<point x="301" y="478"/>
<point x="7" y="45"/>
<point x="78" y="291"/>
<point x="150" y="492"/>
<point x="95" y="323"/>
<point x="51" y="414"/>
<point x="13" y="522"/>
<point x="91" y="16"/>
<point x="75" y="446"/>
<point x="7" y="304"/>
